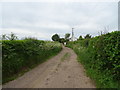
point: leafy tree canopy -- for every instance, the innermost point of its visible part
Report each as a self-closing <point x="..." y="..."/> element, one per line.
<point x="80" y="38"/>
<point x="55" y="37"/>
<point x="87" y="36"/>
<point x="67" y="35"/>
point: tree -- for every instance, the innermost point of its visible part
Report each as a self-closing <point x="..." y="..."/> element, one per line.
<point x="80" y="38"/>
<point x="55" y="37"/>
<point x="12" y="37"/>
<point x="67" y="35"/>
<point x="62" y="40"/>
<point x="87" y="36"/>
<point x="4" y="37"/>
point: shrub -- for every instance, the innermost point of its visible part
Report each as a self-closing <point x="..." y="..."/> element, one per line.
<point x="20" y="54"/>
<point x="101" y="57"/>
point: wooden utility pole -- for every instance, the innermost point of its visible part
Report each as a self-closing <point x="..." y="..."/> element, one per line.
<point x="72" y="38"/>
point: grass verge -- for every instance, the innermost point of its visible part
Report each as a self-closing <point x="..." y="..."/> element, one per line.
<point x="102" y="79"/>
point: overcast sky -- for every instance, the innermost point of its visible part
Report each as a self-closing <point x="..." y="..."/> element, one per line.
<point x="43" y="19"/>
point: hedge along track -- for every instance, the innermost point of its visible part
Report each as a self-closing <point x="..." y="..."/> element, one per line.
<point x="69" y="74"/>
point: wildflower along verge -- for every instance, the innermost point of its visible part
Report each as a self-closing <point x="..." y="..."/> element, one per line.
<point x="101" y="58"/>
<point x="18" y="55"/>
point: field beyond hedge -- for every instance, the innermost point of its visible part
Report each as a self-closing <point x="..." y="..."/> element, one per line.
<point x="101" y="58"/>
<point x="21" y="55"/>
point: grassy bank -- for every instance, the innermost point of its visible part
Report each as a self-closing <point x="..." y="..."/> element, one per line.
<point x="18" y="56"/>
<point x="101" y="58"/>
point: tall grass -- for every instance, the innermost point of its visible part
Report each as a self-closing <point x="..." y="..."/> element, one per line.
<point x="19" y="55"/>
<point x="101" y="58"/>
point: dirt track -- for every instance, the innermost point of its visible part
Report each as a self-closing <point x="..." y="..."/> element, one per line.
<point x="61" y="71"/>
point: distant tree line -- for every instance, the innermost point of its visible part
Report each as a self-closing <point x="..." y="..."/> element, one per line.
<point x="67" y="38"/>
<point x="55" y="37"/>
<point x="86" y="37"/>
<point x="11" y="36"/>
<point x="64" y="40"/>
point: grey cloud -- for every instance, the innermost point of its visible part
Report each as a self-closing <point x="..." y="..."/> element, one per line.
<point x="59" y="17"/>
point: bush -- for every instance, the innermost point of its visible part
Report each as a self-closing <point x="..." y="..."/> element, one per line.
<point x="20" y="54"/>
<point x="101" y="57"/>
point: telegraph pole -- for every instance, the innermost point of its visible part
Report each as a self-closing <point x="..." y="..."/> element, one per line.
<point x="72" y="34"/>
